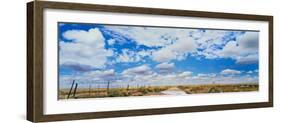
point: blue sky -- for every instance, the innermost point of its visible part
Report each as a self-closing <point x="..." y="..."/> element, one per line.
<point x="139" y="55"/>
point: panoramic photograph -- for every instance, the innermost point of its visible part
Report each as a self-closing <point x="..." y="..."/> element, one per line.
<point x="106" y="60"/>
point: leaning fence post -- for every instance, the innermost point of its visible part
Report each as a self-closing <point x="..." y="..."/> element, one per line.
<point x="108" y="87"/>
<point x="76" y="85"/>
<point x="128" y="87"/>
<point x="70" y="89"/>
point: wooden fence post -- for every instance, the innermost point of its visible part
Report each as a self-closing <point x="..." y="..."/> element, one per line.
<point x="128" y="87"/>
<point x="89" y="90"/>
<point x="108" y="87"/>
<point x="76" y="85"/>
<point x="70" y="89"/>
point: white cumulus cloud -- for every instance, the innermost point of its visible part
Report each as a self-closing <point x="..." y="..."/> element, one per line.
<point x="186" y="74"/>
<point x="249" y="59"/>
<point x="178" y="50"/>
<point x="165" y="66"/>
<point x="230" y="72"/>
<point x="143" y="69"/>
<point x="86" y="48"/>
<point x="101" y="74"/>
<point x="244" y="50"/>
<point x="174" y="43"/>
<point x="143" y="35"/>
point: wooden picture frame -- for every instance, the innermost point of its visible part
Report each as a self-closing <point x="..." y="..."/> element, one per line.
<point x="35" y="60"/>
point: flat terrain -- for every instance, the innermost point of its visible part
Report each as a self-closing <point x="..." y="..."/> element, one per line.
<point x="156" y="90"/>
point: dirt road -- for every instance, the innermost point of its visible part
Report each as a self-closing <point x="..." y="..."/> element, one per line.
<point x="173" y="91"/>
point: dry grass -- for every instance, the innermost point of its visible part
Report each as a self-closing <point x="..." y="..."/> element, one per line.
<point x="113" y="92"/>
<point x="156" y="90"/>
<point x="219" y="88"/>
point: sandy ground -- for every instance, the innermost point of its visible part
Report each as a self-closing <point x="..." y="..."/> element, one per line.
<point x="173" y="91"/>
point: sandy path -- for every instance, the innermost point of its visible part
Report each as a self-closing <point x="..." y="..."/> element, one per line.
<point x="173" y="91"/>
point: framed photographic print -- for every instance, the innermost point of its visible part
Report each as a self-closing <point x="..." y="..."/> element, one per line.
<point x="96" y="61"/>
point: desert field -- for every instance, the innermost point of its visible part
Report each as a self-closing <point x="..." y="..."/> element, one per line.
<point x="155" y="90"/>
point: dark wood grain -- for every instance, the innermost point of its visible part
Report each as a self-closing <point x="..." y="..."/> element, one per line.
<point x="35" y="60"/>
<point x="153" y="11"/>
<point x="270" y="60"/>
<point x="30" y="88"/>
